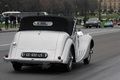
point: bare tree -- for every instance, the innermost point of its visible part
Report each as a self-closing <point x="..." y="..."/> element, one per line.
<point x="69" y="7"/>
<point x="93" y="6"/>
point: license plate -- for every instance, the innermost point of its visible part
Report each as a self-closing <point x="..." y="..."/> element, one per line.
<point x="34" y="55"/>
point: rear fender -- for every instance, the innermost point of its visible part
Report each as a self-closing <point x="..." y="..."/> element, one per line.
<point x="66" y="50"/>
<point x="13" y="46"/>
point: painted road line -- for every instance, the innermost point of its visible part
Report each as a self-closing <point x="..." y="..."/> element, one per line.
<point x="105" y="31"/>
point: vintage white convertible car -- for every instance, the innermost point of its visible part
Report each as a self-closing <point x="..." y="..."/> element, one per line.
<point x="49" y="40"/>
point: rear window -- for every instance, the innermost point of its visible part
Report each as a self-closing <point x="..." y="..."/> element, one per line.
<point x="42" y="23"/>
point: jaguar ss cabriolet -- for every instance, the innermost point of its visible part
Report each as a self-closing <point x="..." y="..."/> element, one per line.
<point x="49" y="40"/>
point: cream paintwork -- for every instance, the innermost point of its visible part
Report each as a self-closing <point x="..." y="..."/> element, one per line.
<point x="53" y="43"/>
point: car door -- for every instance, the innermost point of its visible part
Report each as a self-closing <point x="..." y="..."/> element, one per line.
<point x="78" y="43"/>
<point x="75" y="40"/>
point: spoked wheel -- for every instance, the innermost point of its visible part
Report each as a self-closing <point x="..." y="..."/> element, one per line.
<point x="87" y="60"/>
<point x="68" y="66"/>
<point x="17" y="66"/>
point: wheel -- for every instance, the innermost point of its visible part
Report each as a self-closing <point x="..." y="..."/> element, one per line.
<point x="89" y="26"/>
<point x="17" y="66"/>
<point x="68" y="66"/>
<point x="112" y="26"/>
<point x="86" y="26"/>
<point x="99" y="26"/>
<point x="87" y="60"/>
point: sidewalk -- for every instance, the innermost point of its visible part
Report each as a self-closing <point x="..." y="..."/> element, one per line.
<point x="9" y="30"/>
<point x="80" y="26"/>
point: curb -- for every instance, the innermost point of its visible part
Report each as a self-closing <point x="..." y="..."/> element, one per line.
<point x="80" y="26"/>
<point x="8" y="31"/>
<point x="12" y="30"/>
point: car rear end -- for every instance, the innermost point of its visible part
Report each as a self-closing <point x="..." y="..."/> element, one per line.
<point x="108" y="24"/>
<point x="93" y="22"/>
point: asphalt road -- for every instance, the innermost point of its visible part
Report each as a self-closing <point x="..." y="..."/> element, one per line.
<point x="105" y="63"/>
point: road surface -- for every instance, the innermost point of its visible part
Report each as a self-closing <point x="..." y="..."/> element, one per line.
<point x="105" y="63"/>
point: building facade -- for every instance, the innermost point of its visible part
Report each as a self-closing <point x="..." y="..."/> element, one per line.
<point x="107" y="5"/>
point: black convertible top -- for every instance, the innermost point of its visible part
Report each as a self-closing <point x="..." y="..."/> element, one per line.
<point x="51" y="23"/>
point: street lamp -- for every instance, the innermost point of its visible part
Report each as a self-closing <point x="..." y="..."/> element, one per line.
<point x="38" y="7"/>
<point x="6" y="7"/>
<point x="65" y="7"/>
<point x="85" y="11"/>
<point x="76" y="9"/>
<point x="99" y="9"/>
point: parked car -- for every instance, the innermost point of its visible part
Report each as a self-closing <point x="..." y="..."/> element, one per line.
<point x="114" y="23"/>
<point x="49" y="40"/>
<point x="118" y="23"/>
<point x="108" y="24"/>
<point x="93" y="22"/>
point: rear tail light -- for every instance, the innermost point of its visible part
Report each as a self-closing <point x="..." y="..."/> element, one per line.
<point x="59" y="57"/>
<point x="6" y="56"/>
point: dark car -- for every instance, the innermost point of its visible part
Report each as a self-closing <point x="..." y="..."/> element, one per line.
<point x="93" y="22"/>
<point x="108" y="24"/>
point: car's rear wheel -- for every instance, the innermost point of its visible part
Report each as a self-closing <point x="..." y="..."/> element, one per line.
<point x="86" y="26"/>
<point x="68" y="66"/>
<point x="89" y="26"/>
<point x="99" y="26"/>
<point x="17" y="66"/>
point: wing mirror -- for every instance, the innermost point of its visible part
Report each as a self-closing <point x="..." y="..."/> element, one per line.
<point x="79" y="33"/>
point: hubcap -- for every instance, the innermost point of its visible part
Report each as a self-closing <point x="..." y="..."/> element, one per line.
<point x="89" y="57"/>
<point x="70" y="61"/>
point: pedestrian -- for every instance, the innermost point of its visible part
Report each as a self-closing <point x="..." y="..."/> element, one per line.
<point x="18" y="20"/>
<point x="14" y="22"/>
<point x="6" y="22"/>
<point x="11" y="17"/>
<point x="80" y="21"/>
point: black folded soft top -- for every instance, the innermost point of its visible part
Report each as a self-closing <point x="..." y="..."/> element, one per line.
<point x="49" y="23"/>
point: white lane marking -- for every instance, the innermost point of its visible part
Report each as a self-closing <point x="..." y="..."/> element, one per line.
<point x="105" y="31"/>
<point x="4" y="45"/>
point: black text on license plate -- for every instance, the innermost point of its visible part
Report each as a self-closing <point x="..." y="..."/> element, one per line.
<point x="34" y="55"/>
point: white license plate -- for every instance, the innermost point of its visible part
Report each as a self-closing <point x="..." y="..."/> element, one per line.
<point x="34" y="55"/>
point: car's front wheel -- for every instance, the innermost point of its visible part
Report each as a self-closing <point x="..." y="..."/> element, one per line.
<point x="87" y="60"/>
<point x="99" y="26"/>
<point x="17" y="66"/>
<point x="68" y="66"/>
